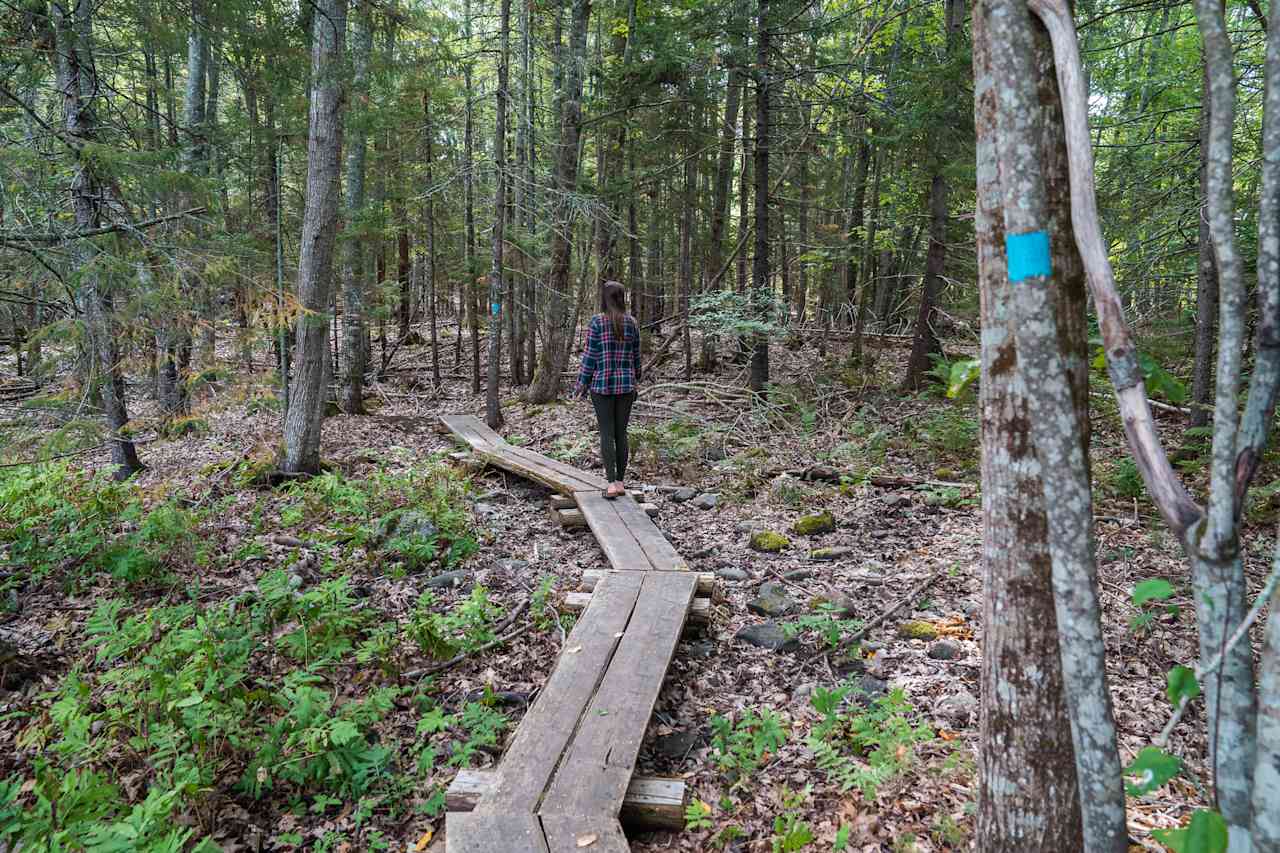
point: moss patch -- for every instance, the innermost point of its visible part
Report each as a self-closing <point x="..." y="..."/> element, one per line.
<point x="768" y="541"/>
<point x="814" y="525"/>
<point x="916" y="630"/>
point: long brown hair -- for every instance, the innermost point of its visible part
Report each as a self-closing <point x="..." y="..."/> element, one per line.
<point x="613" y="304"/>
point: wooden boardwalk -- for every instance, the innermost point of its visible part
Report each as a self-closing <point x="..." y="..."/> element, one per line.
<point x="561" y="783"/>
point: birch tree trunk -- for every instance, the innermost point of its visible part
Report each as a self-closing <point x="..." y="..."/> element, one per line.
<point x="319" y="230"/>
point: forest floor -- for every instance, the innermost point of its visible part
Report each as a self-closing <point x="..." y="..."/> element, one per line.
<point x="739" y="723"/>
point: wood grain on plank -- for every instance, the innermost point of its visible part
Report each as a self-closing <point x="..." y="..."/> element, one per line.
<point x="501" y="457"/>
<point x="550" y="723"/>
<point x="593" y="776"/>
<point x="662" y="556"/>
<point x="579" y="833"/>
<point x="472" y="832"/>
<point x="588" y="479"/>
<point x="651" y="803"/>
<point x="612" y="533"/>
<point x="469" y="429"/>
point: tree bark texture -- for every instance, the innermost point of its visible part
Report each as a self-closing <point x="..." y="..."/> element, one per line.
<point x="355" y="351"/>
<point x="493" y="413"/>
<point x="761" y="292"/>
<point x="319" y="232"/>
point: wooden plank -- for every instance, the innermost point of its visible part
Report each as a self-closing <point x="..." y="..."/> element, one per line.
<point x="611" y="532"/>
<point x="549" y="724"/>
<point x="699" y="608"/>
<point x="579" y="833"/>
<point x="480" y="832"/>
<point x="566" y="502"/>
<point x="662" y="555"/>
<point x="592" y="778"/>
<point x="651" y="802"/>
<point x="575" y="518"/>
<point x="589" y="481"/>
<point x="530" y="469"/>
<point x="469" y="429"/>
<point x="706" y="582"/>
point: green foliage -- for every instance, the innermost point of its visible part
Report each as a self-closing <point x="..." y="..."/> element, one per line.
<point x="676" y="440"/>
<point x="865" y="748"/>
<point x="954" y="377"/>
<point x="463" y="628"/>
<point x="1151" y="769"/>
<point x="697" y="815"/>
<point x="826" y="624"/>
<point x="54" y="519"/>
<point x="1159" y="382"/>
<point x="1206" y="833"/>
<point x="729" y="314"/>
<point x="1183" y="686"/>
<point x="1124" y="480"/>
<point x="790" y="833"/>
<point x="740" y="746"/>
<point x="1146" y="596"/>
<point x="953" y="432"/>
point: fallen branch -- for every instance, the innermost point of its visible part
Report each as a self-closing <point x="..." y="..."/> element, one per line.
<point x="876" y="622"/>
<point x="18" y="238"/>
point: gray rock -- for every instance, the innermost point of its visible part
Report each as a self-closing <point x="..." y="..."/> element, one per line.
<point x="895" y="501"/>
<point x="772" y="600"/>
<point x="406" y="524"/>
<point x="701" y="650"/>
<point x="514" y="567"/>
<point x="803" y="692"/>
<point x="744" y="527"/>
<point x="455" y="578"/>
<point x="684" y="494"/>
<point x="958" y="708"/>
<point x="869" y="688"/>
<point x="714" y="453"/>
<point x="494" y="496"/>
<point x="486" y="509"/>
<point x="707" y="501"/>
<point x="826" y="555"/>
<point x="730" y="573"/>
<point x="677" y="744"/>
<point x="798" y="575"/>
<point x="843" y="605"/>
<point x="944" y="650"/>
<point x="767" y="635"/>
<point x="971" y="609"/>
<point x="707" y="551"/>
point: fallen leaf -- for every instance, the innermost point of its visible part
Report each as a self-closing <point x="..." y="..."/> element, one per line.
<point x="573" y="650"/>
<point x="424" y="841"/>
<point x="586" y="840"/>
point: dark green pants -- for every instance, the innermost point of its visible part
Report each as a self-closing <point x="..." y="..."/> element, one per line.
<point x="613" y="411"/>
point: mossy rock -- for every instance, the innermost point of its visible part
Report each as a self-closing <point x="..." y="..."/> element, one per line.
<point x="768" y="541"/>
<point x="947" y="474"/>
<point x="183" y="426"/>
<point x="917" y="630"/>
<point x="815" y="525"/>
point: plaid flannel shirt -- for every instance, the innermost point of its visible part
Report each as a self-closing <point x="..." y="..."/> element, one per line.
<point x="609" y="365"/>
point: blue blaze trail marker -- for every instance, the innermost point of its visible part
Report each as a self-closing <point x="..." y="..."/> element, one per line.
<point x="1028" y="255"/>
<point x="496" y="308"/>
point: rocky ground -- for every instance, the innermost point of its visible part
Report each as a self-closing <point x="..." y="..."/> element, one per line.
<point x="885" y="533"/>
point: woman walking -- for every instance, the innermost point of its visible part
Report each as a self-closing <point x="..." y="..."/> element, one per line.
<point x="610" y="372"/>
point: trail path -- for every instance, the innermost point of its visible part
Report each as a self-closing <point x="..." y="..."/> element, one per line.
<point x="561" y="782"/>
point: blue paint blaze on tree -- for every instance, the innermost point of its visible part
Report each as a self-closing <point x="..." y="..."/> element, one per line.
<point x="1028" y="255"/>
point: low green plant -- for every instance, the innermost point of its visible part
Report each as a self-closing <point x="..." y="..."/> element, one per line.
<point x="444" y="633"/>
<point x="865" y="747"/>
<point x="1124" y="480"/>
<point x="953" y="432"/>
<point x="790" y="833"/>
<point x="1147" y="598"/>
<point x="740" y="746"/>
<point x="827" y="625"/>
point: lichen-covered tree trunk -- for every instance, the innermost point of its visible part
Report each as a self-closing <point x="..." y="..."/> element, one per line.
<point x="319" y="232"/>
<point x="1028" y="798"/>
<point x="355" y="353"/>
<point x="1206" y="288"/>
<point x="78" y="86"/>
<point x="1056" y="427"/>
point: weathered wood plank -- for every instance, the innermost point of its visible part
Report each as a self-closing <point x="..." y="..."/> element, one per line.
<point x="706" y="582"/>
<point x="549" y="724"/>
<point x="567" y="502"/>
<point x="699" y="609"/>
<point x="575" y="518"/>
<point x="473" y="832"/>
<point x="651" y="802"/>
<point x="576" y="833"/>
<point x="589" y="480"/>
<point x="662" y="556"/>
<point x="471" y="430"/>
<point x="593" y="775"/>
<point x="611" y="532"/>
<point x="530" y="469"/>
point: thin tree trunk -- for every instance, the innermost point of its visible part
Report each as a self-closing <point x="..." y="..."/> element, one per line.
<point x="78" y="87"/>
<point x="493" y="413"/>
<point x="1206" y="286"/>
<point x="761" y="292"/>
<point x="355" y="352"/>
<point x="319" y="231"/>
<point x="428" y="132"/>
<point x="925" y="343"/>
